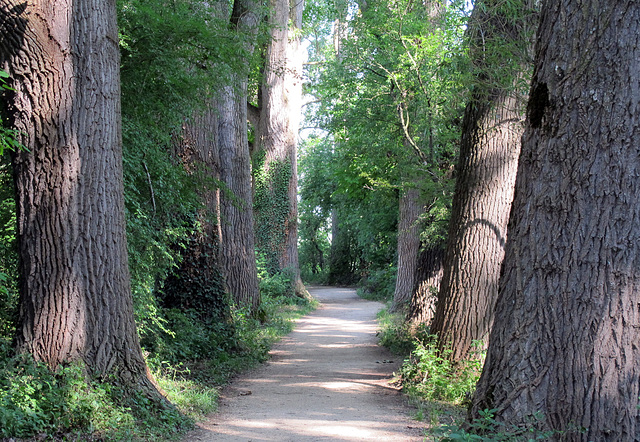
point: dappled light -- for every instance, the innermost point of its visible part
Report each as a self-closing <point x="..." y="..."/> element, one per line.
<point x="327" y="380"/>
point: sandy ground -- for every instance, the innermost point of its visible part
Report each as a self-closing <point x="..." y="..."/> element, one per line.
<point x="326" y="381"/>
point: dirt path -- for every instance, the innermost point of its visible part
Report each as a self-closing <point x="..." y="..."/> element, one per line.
<point x="326" y="381"/>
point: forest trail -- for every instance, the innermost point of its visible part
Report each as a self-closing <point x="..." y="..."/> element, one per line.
<point x="326" y="381"/>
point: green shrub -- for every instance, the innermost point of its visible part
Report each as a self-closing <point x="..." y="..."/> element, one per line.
<point x="35" y="401"/>
<point x="428" y="374"/>
<point x="280" y="284"/>
<point x="395" y="333"/>
<point x="379" y="285"/>
<point x="487" y="429"/>
<point x="192" y="339"/>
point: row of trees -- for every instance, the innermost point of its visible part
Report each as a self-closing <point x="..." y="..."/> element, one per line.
<point x="181" y="126"/>
<point x="195" y="92"/>
<point x="402" y="92"/>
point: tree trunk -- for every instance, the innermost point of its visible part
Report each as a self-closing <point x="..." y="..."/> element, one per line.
<point x="197" y="283"/>
<point x="565" y="343"/>
<point x="410" y="210"/>
<point x="427" y="282"/>
<point x="408" y="247"/>
<point x="276" y="202"/>
<point x="237" y="252"/>
<point x="75" y="300"/>
<point x="489" y="150"/>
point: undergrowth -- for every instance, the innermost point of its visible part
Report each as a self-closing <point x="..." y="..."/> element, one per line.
<point x="191" y="363"/>
<point x="378" y="285"/>
<point x="487" y="429"/>
<point x="441" y="391"/>
<point x="438" y="389"/>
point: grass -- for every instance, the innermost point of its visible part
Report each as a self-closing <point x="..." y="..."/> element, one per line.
<point x="38" y="404"/>
<point x="438" y="390"/>
<point x="441" y="392"/>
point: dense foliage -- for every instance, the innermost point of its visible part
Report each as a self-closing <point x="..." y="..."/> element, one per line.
<point x="389" y="91"/>
<point x="175" y="56"/>
<point x="386" y="86"/>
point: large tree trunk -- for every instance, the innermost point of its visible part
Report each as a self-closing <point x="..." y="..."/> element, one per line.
<point x="276" y="202"/>
<point x="410" y="210"/>
<point x="565" y="343"/>
<point x="75" y="300"/>
<point x="427" y="282"/>
<point x="237" y="252"/>
<point x="198" y="152"/>
<point x="492" y="127"/>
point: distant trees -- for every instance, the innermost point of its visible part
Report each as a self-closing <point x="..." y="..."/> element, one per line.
<point x="75" y="299"/>
<point x="563" y="353"/>
<point x="395" y="61"/>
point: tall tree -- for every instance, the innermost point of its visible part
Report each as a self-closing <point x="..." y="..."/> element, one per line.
<point x="75" y="300"/>
<point x="410" y="210"/>
<point x="564" y="346"/>
<point x="237" y="251"/>
<point x="197" y="283"/>
<point x="426" y="284"/>
<point x="276" y="183"/>
<point x="491" y="131"/>
<point x="411" y="207"/>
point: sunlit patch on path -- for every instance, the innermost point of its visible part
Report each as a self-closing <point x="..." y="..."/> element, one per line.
<point x="323" y="383"/>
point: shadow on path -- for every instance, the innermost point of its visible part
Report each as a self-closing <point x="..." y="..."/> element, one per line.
<point x="328" y="380"/>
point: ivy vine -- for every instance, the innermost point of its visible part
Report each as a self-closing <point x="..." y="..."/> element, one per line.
<point x="271" y="208"/>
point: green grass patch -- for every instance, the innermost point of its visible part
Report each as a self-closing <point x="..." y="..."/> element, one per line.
<point x="38" y="403"/>
<point x="439" y="390"/>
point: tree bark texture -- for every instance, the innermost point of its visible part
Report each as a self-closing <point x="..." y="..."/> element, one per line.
<point x="237" y="252"/>
<point x="427" y="282"/>
<point x="238" y="257"/>
<point x="75" y="299"/>
<point x="276" y="202"/>
<point x="491" y="132"/>
<point x="197" y="283"/>
<point x="198" y="152"/>
<point x="410" y="210"/>
<point x="565" y="342"/>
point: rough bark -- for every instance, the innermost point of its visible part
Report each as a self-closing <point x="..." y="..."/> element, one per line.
<point x="276" y="202"/>
<point x="410" y="210"/>
<point x="237" y="251"/>
<point x="197" y="282"/>
<point x="565" y="342"/>
<point x="427" y="282"/>
<point x="75" y="299"/>
<point x="198" y="152"/>
<point x="490" y="144"/>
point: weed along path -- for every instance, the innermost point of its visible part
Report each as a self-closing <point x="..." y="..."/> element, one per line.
<point x="326" y="381"/>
